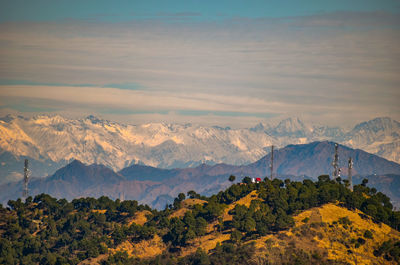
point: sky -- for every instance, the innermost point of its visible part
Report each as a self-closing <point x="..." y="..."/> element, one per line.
<point x="227" y="63"/>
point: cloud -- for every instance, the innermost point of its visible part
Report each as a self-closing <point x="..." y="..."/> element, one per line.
<point x="336" y="66"/>
<point x="107" y="97"/>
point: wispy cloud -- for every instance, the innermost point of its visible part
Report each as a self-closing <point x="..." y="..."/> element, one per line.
<point x="341" y="66"/>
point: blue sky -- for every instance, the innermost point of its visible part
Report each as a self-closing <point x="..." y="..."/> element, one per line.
<point x="227" y="63"/>
<point x="50" y="10"/>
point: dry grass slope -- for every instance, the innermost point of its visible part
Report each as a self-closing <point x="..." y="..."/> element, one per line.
<point x="144" y="249"/>
<point x="185" y="206"/>
<point x="246" y="200"/>
<point x="139" y="218"/>
<point x="340" y="239"/>
<point x="319" y="231"/>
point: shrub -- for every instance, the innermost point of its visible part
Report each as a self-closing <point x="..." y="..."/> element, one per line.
<point x="368" y="234"/>
<point x="344" y="221"/>
<point x="361" y="240"/>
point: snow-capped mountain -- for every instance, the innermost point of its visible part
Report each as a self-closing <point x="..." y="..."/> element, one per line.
<point x="292" y="127"/>
<point x="92" y="140"/>
<point x="53" y="141"/>
<point x="379" y="136"/>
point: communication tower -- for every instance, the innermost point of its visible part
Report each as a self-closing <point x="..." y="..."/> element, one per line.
<point x="121" y="196"/>
<point x="350" y="173"/>
<point x="335" y="163"/>
<point x="25" y="191"/>
<point x="271" y="166"/>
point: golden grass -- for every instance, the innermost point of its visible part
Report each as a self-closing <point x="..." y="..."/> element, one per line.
<point x="191" y="202"/>
<point x="144" y="249"/>
<point x="185" y="206"/>
<point x="322" y="233"/>
<point x="335" y="238"/>
<point x="260" y="242"/>
<point x="178" y="213"/>
<point x="139" y="218"/>
<point x="364" y="254"/>
<point x="246" y="200"/>
<point x="210" y="240"/>
<point x="99" y="211"/>
<point x="206" y="242"/>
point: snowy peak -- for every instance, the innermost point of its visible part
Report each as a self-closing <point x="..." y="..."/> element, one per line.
<point x="379" y="130"/>
<point x="261" y="127"/>
<point x="384" y="124"/>
<point x="94" y="140"/>
<point x="291" y="127"/>
<point x="327" y="132"/>
<point x="379" y="136"/>
<point x="8" y="118"/>
<point x="94" y="119"/>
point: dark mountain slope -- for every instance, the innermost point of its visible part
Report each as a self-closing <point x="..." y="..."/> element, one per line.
<point x="77" y="180"/>
<point x="140" y="172"/>
<point x="316" y="158"/>
<point x="147" y="184"/>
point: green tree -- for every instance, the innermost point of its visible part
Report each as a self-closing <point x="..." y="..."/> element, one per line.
<point x="364" y="182"/>
<point x="201" y="258"/>
<point x="201" y="225"/>
<point x="232" y="178"/>
<point x="192" y="194"/>
<point x="189" y="219"/>
<point x="368" y="234"/>
<point x="246" y="180"/>
<point x="189" y="235"/>
<point x="249" y="224"/>
<point x="236" y="236"/>
<point x="181" y="196"/>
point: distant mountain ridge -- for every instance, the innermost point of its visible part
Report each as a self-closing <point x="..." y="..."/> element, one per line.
<point x="316" y="158"/>
<point x="156" y="186"/>
<point x="51" y="142"/>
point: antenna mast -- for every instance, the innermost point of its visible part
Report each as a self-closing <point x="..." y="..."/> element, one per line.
<point x="271" y="166"/>
<point x="350" y="173"/>
<point x="25" y="192"/>
<point x="335" y="163"/>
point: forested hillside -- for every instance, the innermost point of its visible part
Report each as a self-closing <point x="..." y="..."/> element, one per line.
<point x="248" y="223"/>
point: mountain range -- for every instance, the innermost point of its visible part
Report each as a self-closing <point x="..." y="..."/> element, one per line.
<point x="157" y="187"/>
<point x="50" y="142"/>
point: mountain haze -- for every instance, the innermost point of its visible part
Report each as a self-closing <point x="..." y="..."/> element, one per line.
<point x="157" y="187"/>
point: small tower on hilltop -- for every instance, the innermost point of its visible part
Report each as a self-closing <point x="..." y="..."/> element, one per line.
<point x="121" y="196"/>
<point x="350" y="163"/>
<point x="25" y="191"/>
<point x="335" y="163"/>
<point x="271" y="166"/>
